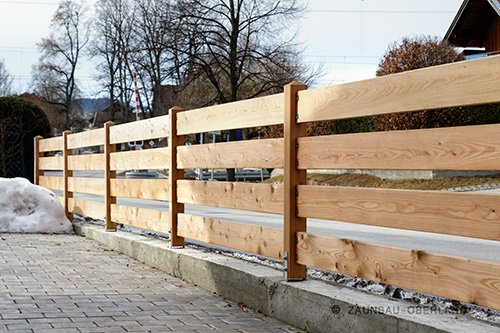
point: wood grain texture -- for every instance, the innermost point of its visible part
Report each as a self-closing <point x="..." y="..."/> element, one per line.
<point x="90" y="138"/>
<point x="462" y="214"/>
<point x="141" y="218"/>
<point x="86" y="185"/>
<point x="458" y="84"/>
<point x="146" y="129"/>
<point x="92" y="209"/>
<point x="141" y="159"/>
<point x="266" y="198"/>
<point x="153" y="189"/>
<point x="466" y="280"/>
<point x="109" y="175"/>
<point x="241" y="154"/>
<point x="67" y="173"/>
<point x="51" y="163"/>
<point x="176" y="173"/>
<point x="86" y="162"/>
<point x="292" y="177"/>
<point x="53" y="183"/>
<point x="51" y="144"/>
<point x="261" y="111"/>
<point x="244" y="237"/>
<point x="37" y="154"/>
<point x="456" y="148"/>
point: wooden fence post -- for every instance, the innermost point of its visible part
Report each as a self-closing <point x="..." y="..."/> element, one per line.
<point x="291" y="178"/>
<point x="175" y="208"/>
<point x="108" y="175"/>
<point x="38" y="154"/>
<point x="66" y="174"/>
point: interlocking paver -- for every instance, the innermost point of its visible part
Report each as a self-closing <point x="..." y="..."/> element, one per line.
<point x="68" y="283"/>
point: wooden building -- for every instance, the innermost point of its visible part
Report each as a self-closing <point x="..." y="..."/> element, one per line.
<point x="476" y="25"/>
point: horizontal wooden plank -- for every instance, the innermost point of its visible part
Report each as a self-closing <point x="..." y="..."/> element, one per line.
<point x="267" y="198"/>
<point x="141" y="218"/>
<point x="92" y="209"/>
<point x="466" y="280"/>
<point x="470" y="82"/>
<point x="53" y="183"/>
<point x="90" y="138"/>
<point x="462" y="214"/>
<point x="86" y="162"/>
<point x="86" y="185"/>
<point x="51" y="144"/>
<point x="51" y="163"/>
<point x="244" y="237"/>
<point x="262" y="111"/>
<point x="241" y="154"/>
<point x="140" y="159"/>
<point x="61" y="200"/>
<point x="154" y="189"/>
<point x="456" y="148"/>
<point x="146" y="129"/>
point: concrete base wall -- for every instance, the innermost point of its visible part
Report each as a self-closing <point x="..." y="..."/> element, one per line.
<point x="310" y="305"/>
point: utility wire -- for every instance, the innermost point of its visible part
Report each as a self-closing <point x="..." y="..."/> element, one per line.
<point x="381" y="11"/>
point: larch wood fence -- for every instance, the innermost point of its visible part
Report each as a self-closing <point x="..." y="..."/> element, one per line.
<point x="461" y="214"/>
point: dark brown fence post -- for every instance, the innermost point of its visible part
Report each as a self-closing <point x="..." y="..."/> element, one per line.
<point x="108" y="175"/>
<point x="291" y="178"/>
<point x="66" y="174"/>
<point x="38" y="154"/>
<point x="174" y="174"/>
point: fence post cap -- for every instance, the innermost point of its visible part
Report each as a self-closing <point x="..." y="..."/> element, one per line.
<point x="110" y="123"/>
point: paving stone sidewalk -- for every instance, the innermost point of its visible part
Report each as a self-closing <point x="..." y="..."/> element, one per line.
<point x="68" y="283"/>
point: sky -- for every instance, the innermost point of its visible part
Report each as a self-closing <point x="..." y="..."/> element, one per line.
<point x="349" y="37"/>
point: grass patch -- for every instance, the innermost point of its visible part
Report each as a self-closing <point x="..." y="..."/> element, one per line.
<point x="359" y="180"/>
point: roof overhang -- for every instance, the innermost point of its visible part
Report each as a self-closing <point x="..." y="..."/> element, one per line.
<point x="470" y="25"/>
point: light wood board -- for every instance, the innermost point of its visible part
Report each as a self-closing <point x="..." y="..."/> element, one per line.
<point x="261" y="111"/>
<point x="462" y="214"/>
<point x="266" y="198"/>
<point x="90" y="138"/>
<point x="51" y="163"/>
<point x="86" y="162"/>
<point x="86" y="185"/>
<point x="141" y="218"/>
<point x="51" y="144"/>
<point x="146" y="129"/>
<point x="92" y="209"/>
<point x="140" y="159"/>
<point x="456" y="148"/>
<point x="244" y="237"/>
<point x="241" y="154"/>
<point x="470" y="82"/>
<point x="153" y="189"/>
<point x="53" y="183"/>
<point x="466" y="280"/>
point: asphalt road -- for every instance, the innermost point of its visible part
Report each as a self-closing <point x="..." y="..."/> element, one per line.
<point x="452" y="245"/>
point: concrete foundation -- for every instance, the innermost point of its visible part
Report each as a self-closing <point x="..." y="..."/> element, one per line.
<point x="311" y="305"/>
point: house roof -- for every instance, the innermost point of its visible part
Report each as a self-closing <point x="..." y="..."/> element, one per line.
<point x="470" y="26"/>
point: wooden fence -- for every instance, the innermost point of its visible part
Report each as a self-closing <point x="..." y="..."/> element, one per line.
<point x="460" y="214"/>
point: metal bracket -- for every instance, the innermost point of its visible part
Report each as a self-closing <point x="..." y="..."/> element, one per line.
<point x="285" y="265"/>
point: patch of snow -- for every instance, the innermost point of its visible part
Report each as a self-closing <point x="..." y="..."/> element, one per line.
<point x="28" y="208"/>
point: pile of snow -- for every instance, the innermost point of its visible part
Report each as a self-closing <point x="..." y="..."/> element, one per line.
<point x="25" y="207"/>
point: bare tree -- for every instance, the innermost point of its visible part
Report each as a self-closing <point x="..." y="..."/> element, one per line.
<point x="153" y="57"/>
<point x="5" y="80"/>
<point x="113" y="33"/>
<point x="54" y="75"/>
<point x="237" y="47"/>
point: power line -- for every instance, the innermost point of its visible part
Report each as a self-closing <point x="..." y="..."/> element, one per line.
<point x="28" y="3"/>
<point x="381" y="11"/>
